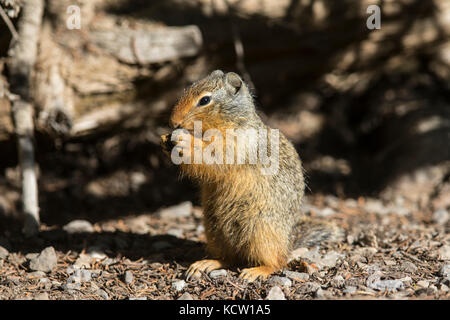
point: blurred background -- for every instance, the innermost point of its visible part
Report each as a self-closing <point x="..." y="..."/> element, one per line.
<point x="368" y="110"/>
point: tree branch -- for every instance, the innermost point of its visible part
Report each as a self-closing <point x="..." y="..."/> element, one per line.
<point x="22" y="59"/>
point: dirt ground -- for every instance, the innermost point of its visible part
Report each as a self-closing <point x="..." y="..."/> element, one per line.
<point x="387" y="252"/>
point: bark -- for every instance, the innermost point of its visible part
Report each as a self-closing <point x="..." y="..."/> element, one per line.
<point x="23" y="54"/>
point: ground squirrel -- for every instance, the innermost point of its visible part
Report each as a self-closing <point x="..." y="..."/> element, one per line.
<point x="251" y="219"/>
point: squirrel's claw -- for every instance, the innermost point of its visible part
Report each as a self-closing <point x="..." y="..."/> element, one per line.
<point x="252" y="274"/>
<point x="196" y="269"/>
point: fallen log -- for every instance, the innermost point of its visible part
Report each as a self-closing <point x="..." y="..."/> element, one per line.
<point x="149" y="46"/>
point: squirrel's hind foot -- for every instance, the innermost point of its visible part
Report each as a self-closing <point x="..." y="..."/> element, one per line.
<point x="261" y="272"/>
<point x="208" y="265"/>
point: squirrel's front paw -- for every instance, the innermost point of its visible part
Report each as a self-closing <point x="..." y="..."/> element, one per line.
<point x="182" y="141"/>
<point x="196" y="269"/>
<point x="166" y="144"/>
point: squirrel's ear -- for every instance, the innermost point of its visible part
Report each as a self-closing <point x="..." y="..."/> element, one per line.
<point x="233" y="82"/>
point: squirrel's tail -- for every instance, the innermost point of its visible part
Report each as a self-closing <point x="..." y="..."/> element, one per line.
<point x="311" y="232"/>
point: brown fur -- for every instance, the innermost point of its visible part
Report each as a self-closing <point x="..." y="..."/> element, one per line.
<point x="249" y="218"/>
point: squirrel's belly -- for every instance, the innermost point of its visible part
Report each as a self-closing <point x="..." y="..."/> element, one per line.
<point x="245" y="238"/>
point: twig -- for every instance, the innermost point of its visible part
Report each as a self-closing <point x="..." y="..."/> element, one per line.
<point x="9" y="24"/>
<point x="23" y="53"/>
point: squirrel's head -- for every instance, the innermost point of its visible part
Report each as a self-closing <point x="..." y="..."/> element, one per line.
<point x="220" y="99"/>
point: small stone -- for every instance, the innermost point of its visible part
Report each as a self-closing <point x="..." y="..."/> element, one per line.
<point x="389" y="285"/>
<point x="350" y="239"/>
<point x="137" y="298"/>
<point x="375" y="206"/>
<point x="71" y="285"/>
<point x="16" y="258"/>
<point x="96" y="253"/>
<point x="332" y="201"/>
<point x="102" y="294"/>
<point x="14" y="280"/>
<point x="409" y="267"/>
<point x="406" y="280"/>
<point x="78" y="226"/>
<point x="297" y="276"/>
<point x="444" y="252"/>
<point x="185" y="296"/>
<point x="46" y="283"/>
<point x="400" y="210"/>
<point x="46" y="261"/>
<point x="351" y="203"/>
<point x="275" y="293"/>
<point x="312" y="255"/>
<point x="373" y="268"/>
<point x="338" y="281"/>
<point x="401" y="295"/>
<point x="281" y="281"/>
<point x="325" y="212"/>
<point x="218" y="273"/>
<point x="432" y="289"/>
<point x="85" y="275"/>
<point x="128" y="278"/>
<point x="357" y="258"/>
<point x="71" y="269"/>
<point x="176" y="232"/>
<point x="330" y="259"/>
<point x="445" y="270"/>
<point x="441" y="216"/>
<point x="350" y="289"/>
<point x="83" y="261"/>
<point x="366" y="252"/>
<point x="320" y="294"/>
<point x="94" y="287"/>
<point x="3" y="253"/>
<point x="444" y="288"/>
<point x="41" y="296"/>
<point x="298" y="253"/>
<point x="323" y="294"/>
<point x="309" y="287"/>
<point x="137" y="179"/>
<point x="423" y="284"/>
<point x="74" y="278"/>
<point x="181" y="210"/>
<point x="178" y="285"/>
<point x="108" y="261"/>
<point x="139" y="224"/>
<point x="361" y="265"/>
<point x="390" y="262"/>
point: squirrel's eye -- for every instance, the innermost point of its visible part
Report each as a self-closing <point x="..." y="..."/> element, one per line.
<point x="204" y="101"/>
